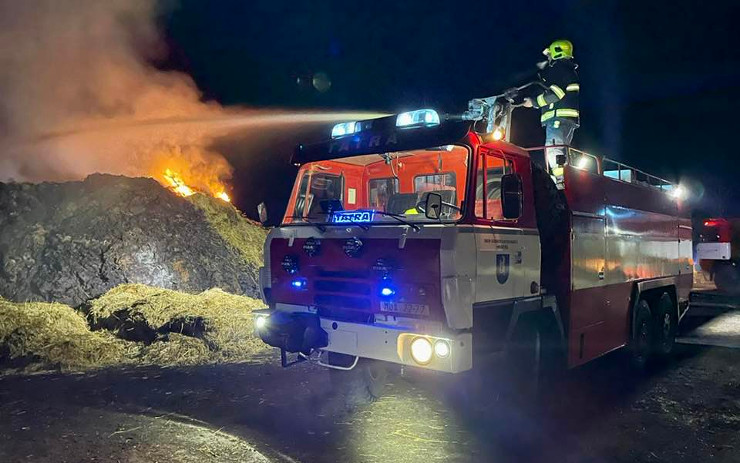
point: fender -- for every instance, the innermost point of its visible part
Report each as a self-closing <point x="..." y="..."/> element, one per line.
<point x="501" y="318"/>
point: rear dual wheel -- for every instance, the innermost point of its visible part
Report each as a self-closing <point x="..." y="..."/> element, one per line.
<point x="655" y="328"/>
<point x="665" y="325"/>
<point x="642" y="337"/>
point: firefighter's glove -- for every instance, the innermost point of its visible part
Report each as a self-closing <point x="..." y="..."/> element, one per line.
<point x="527" y="103"/>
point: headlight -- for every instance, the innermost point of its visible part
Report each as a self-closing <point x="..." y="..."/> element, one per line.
<point x="442" y="349"/>
<point x="421" y="350"/>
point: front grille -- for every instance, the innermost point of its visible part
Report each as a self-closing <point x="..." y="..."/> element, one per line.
<point x="348" y="287"/>
<point x="350" y="316"/>
<point x="345" y="302"/>
<point x="353" y="273"/>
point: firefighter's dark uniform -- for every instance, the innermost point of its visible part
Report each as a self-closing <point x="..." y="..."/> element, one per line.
<point x="558" y="104"/>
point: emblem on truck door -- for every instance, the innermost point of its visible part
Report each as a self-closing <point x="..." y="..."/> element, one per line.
<point x="502" y="268"/>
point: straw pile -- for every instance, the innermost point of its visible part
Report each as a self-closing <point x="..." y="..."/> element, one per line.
<point x="244" y="235"/>
<point x="143" y="313"/>
<point x="56" y="336"/>
<point x="131" y="324"/>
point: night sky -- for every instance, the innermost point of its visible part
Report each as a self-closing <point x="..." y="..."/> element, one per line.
<point x="659" y="79"/>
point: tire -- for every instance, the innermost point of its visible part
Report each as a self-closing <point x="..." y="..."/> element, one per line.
<point x="665" y="325"/>
<point x="361" y="385"/>
<point x="524" y="363"/>
<point x="641" y="340"/>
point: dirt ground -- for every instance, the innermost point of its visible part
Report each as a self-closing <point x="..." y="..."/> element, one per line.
<point x="685" y="410"/>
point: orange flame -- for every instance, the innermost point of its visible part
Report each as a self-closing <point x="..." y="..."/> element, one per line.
<point x="188" y="169"/>
<point x="175" y="182"/>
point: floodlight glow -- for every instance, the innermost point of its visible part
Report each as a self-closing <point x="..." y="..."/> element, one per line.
<point x="418" y="118"/>
<point x="583" y="162"/>
<point x="498" y="134"/>
<point x="344" y="128"/>
<point x="678" y="192"/>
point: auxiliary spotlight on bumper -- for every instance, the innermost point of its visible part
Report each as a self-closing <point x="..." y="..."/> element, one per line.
<point x="292" y="332"/>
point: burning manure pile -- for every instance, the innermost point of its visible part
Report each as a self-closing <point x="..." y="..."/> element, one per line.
<point x="71" y="242"/>
<point x="129" y="325"/>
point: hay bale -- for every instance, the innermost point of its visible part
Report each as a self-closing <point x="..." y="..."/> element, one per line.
<point x="57" y="336"/>
<point x="223" y="321"/>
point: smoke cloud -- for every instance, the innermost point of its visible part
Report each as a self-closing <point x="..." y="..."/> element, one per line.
<point x="79" y="94"/>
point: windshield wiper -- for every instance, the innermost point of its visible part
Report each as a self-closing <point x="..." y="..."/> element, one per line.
<point x="398" y="217"/>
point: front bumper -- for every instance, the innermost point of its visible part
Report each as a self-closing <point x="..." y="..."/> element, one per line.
<point x="389" y="343"/>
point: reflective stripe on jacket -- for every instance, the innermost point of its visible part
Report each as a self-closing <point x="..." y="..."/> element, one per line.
<point x="557" y="98"/>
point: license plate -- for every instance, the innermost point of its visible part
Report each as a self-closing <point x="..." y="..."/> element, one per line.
<point x="404" y="307"/>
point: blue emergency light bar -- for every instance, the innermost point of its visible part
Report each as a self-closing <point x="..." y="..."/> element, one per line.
<point x="344" y="128"/>
<point x="410" y="119"/>
<point x="418" y="118"/>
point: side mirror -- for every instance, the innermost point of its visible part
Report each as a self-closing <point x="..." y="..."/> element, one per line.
<point x="262" y="212"/>
<point x="511" y="196"/>
<point x="433" y="206"/>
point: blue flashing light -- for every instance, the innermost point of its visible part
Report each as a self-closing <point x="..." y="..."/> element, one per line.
<point x="387" y="291"/>
<point x="344" y="128"/>
<point x="300" y="283"/>
<point x="418" y="118"/>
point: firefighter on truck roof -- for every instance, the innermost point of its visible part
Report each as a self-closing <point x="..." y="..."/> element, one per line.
<point x="557" y="99"/>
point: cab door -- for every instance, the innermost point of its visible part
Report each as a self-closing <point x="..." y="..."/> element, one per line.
<point x="499" y="246"/>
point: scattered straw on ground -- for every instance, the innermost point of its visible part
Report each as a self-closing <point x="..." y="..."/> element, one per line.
<point x="248" y="237"/>
<point x="58" y="336"/>
<point x="227" y="318"/>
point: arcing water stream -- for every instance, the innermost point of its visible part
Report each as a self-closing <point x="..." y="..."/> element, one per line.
<point x="175" y="151"/>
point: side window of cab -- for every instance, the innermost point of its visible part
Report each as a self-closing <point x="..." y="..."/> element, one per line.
<point x="491" y="167"/>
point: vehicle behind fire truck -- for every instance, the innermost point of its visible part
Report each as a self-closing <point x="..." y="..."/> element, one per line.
<point x="718" y="252"/>
<point x="429" y="241"/>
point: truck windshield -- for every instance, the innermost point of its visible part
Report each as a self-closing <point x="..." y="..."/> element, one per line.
<point x="395" y="183"/>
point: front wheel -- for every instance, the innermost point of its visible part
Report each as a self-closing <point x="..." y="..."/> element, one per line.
<point x="523" y="363"/>
<point x="362" y="384"/>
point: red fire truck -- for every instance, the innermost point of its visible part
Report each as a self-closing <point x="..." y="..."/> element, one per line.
<point x="718" y="252"/>
<point x="429" y="241"/>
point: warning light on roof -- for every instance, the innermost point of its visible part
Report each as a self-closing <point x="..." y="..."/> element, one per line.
<point x="418" y="118"/>
<point x="498" y="134"/>
<point x="344" y="128"/>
